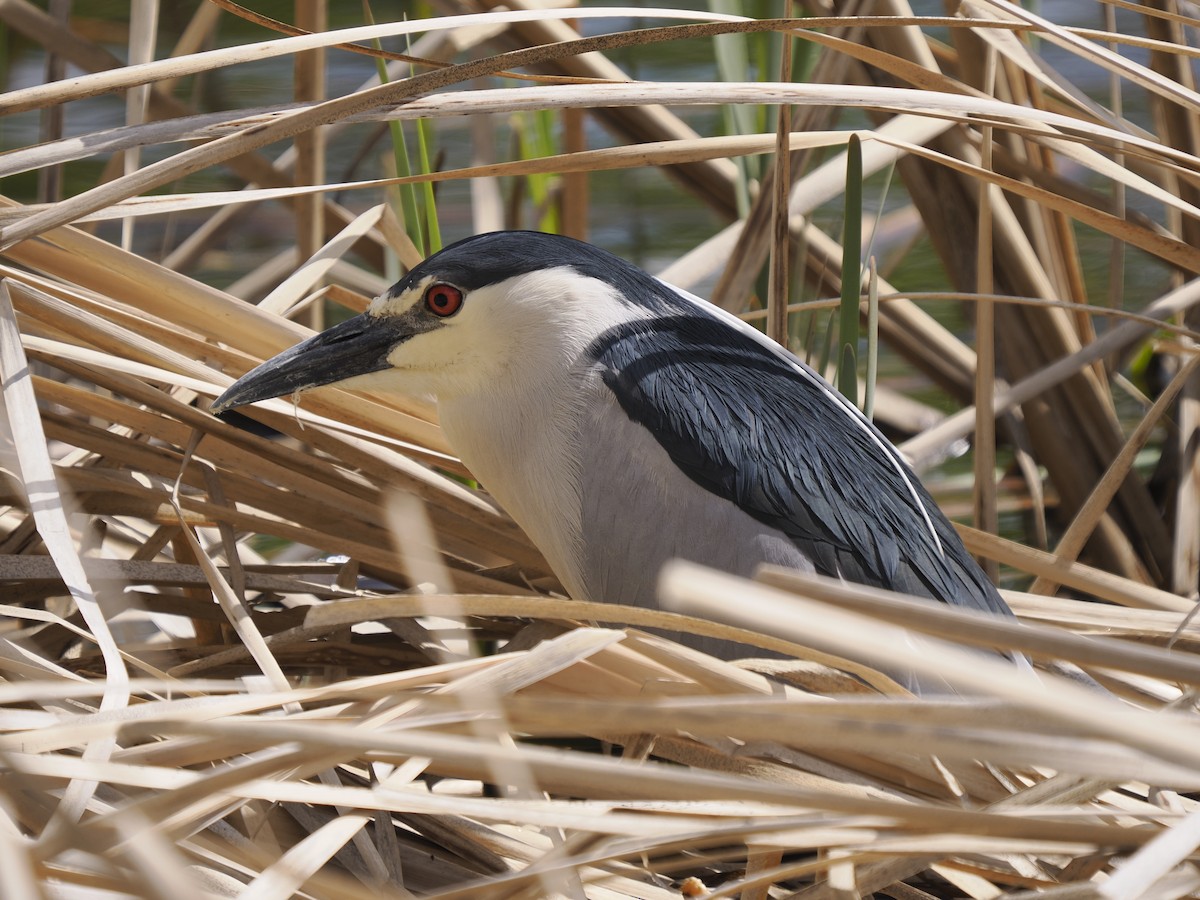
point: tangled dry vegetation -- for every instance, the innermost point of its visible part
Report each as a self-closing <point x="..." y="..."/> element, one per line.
<point x="191" y="710"/>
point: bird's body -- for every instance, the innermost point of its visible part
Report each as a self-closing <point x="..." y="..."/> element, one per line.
<point x="596" y="492"/>
<point x="599" y="495"/>
<point x="623" y="422"/>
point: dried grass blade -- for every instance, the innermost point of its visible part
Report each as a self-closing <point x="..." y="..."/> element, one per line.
<point x="303" y="859"/>
<point x="1135" y="72"/>
<point x="48" y="507"/>
<point x="977" y="629"/>
<point x="673" y="152"/>
<point x="898" y="99"/>
<point x="959" y="424"/>
<point x="289" y="292"/>
<point x="1155" y="861"/>
<point x="1098" y="583"/>
<point x="1073" y="540"/>
<point x="231" y="604"/>
<point x="130" y="76"/>
<point x="17" y="869"/>
<point x="840" y="631"/>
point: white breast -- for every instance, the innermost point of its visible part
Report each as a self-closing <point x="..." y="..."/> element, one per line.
<point x="520" y="442"/>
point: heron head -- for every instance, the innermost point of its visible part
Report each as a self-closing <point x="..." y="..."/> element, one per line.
<point x="489" y="310"/>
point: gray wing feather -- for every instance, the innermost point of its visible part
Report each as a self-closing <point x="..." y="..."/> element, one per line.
<point x="753" y="425"/>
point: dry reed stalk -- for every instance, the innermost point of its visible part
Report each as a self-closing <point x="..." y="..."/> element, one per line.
<point x="188" y="703"/>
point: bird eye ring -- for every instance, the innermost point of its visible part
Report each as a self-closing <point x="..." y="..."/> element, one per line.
<point x="443" y="299"/>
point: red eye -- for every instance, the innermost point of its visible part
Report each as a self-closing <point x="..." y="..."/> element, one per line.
<point x="443" y="299"/>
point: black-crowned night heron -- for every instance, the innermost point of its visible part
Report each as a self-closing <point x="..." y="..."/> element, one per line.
<point x="623" y="422"/>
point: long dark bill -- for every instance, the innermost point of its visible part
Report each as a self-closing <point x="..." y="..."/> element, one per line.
<point x="358" y="346"/>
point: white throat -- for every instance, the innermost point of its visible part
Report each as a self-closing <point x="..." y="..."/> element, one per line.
<point x="518" y="431"/>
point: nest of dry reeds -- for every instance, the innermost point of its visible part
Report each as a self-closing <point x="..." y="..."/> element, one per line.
<point x="305" y="655"/>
